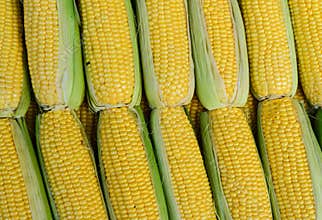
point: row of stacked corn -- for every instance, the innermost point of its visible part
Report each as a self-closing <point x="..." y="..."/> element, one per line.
<point x="132" y="180"/>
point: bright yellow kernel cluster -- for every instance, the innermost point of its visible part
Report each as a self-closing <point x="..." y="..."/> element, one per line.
<point x="89" y="121"/>
<point x="221" y="34"/>
<point x="250" y="110"/>
<point x="188" y="175"/>
<point x="69" y="167"/>
<point x="268" y="49"/>
<point x="195" y="108"/>
<point x="42" y="41"/>
<point x="170" y="48"/>
<point x="288" y="160"/>
<point x="307" y="25"/>
<point x="108" y="50"/>
<point x="11" y="55"/>
<point x="126" y="166"/>
<point x="241" y="173"/>
<point x="14" y="202"/>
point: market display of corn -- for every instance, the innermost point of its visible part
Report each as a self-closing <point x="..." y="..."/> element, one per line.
<point x="157" y="109"/>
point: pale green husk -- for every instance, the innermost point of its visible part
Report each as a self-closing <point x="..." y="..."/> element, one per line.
<point x="210" y="85"/>
<point x="42" y="163"/>
<point x="161" y="155"/>
<point x="212" y="167"/>
<point x="95" y="104"/>
<point x="314" y="158"/>
<point x="154" y="172"/>
<point x="151" y="86"/>
<point x="36" y="192"/>
<point x="70" y="67"/>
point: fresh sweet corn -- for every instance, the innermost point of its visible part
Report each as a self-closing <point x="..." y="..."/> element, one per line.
<point x="221" y="34"/>
<point x="111" y="53"/>
<point x="292" y="159"/>
<point x="54" y="53"/>
<point x="133" y="184"/>
<point x="183" y="173"/>
<point x="306" y="18"/>
<point x="271" y="50"/>
<point x="14" y="202"/>
<point x="234" y="159"/>
<point x="220" y="53"/>
<point x="68" y="166"/>
<point x="12" y="66"/>
<point x="299" y="96"/>
<point x="166" y="53"/>
<point x="22" y="192"/>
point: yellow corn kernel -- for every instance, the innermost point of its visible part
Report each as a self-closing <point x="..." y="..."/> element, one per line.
<point x="306" y="17"/>
<point x="11" y="55"/>
<point x="195" y="108"/>
<point x="125" y="162"/>
<point x="241" y="172"/>
<point x="287" y="158"/>
<point x="269" y="51"/>
<point x="69" y="167"/>
<point x="218" y="17"/>
<point x="108" y="50"/>
<point x="42" y="41"/>
<point x="250" y="110"/>
<point x="89" y="121"/>
<point x="188" y="176"/>
<point x="14" y="203"/>
<point x="170" y="47"/>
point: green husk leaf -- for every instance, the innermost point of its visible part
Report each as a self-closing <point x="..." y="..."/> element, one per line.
<point x="70" y="55"/>
<point x="317" y="125"/>
<point x="212" y="167"/>
<point x="210" y="85"/>
<point x="266" y="166"/>
<point x="151" y="85"/>
<point x="163" y="163"/>
<point x="155" y="176"/>
<point x="38" y="202"/>
<point x="42" y="163"/>
<point x="137" y="91"/>
<point x="314" y="156"/>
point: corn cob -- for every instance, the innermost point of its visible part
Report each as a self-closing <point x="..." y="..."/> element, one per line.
<point x="292" y="159"/>
<point x="54" y="53"/>
<point x="166" y="54"/>
<point x="184" y="177"/>
<point x="306" y="18"/>
<point x="130" y="171"/>
<point x="22" y="193"/>
<point x="68" y="166"/>
<point x="271" y="50"/>
<point x="13" y="77"/>
<point x="89" y="121"/>
<point x="236" y="172"/>
<point x="220" y="53"/>
<point x="111" y="53"/>
<point x="250" y="110"/>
